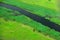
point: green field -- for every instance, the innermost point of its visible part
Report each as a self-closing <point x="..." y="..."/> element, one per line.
<point x="13" y="27"/>
<point x="17" y="31"/>
<point x="38" y="9"/>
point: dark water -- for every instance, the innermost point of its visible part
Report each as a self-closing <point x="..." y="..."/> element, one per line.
<point x="36" y="18"/>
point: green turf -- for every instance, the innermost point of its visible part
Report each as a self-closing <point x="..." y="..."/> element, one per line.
<point x="17" y="31"/>
<point x="36" y="9"/>
<point x="25" y="20"/>
<point x="49" y="4"/>
<point x="39" y="10"/>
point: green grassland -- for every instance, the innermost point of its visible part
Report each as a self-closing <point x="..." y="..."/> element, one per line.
<point x="12" y="30"/>
<point x="39" y="10"/>
<point x="37" y="7"/>
<point x="8" y="14"/>
<point x="46" y="3"/>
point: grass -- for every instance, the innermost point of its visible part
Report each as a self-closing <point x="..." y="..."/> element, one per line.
<point x="36" y="9"/>
<point x="27" y="21"/>
<point x="17" y="31"/>
<point x="48" y="4"/>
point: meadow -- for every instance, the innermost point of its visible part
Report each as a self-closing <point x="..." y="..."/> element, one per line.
<point x="37" y="7"/>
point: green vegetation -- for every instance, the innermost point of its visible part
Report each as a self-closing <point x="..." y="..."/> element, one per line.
<point x="45" y="3"/>
<point x="17" y="31"/>
<point x="0" y="0"/>
<point x="7" y="15"/>
<point x="36" y="8"/>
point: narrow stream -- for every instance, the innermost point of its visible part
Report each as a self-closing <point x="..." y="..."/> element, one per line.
<point x="36" y="18"/>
